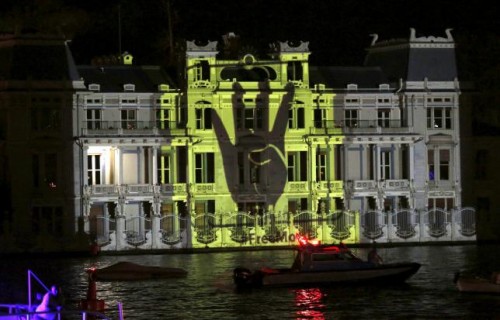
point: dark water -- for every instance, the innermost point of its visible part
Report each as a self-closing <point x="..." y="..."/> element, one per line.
<point x="207" y="293"/>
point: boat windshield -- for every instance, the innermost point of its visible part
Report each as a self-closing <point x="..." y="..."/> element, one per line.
<point x="334" y="256"/>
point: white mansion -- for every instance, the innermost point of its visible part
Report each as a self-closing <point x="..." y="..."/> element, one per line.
<point x="242" y="151"/>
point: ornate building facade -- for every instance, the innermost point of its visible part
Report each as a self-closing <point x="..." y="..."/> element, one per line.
<point x="247" y="151"/>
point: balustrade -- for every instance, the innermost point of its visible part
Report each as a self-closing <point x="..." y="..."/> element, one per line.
<point x="241" y="229"/>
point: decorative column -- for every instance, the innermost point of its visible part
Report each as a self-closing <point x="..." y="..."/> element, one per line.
<point x="120" y="224"/>
<point x="119" y="165"/>
<point x="154" y="165"/>
<point x="156" y="218"/>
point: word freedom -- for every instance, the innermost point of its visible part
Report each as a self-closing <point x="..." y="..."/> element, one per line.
<point x="251" y="238"/>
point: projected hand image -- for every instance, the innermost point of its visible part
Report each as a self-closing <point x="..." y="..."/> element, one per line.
<point x="253" y="146"/>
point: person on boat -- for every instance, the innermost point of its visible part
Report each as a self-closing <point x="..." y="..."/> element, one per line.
<point x="343" y="247"/>
<point x="373" y="256"/>
<point x="50" y="302"/>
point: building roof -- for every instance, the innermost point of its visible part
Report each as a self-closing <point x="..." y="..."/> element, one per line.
<point x="112" y="78"/>
<point x="340" y="77"/>
<point x="35" y="57"/>
<point x="416" y="58"/>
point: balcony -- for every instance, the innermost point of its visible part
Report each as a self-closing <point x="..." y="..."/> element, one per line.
<point x="335" y="186"/>
<point x="383" y="126"/>
<point x="297" y="186"/>
<point x="131" y="128"/>
<point x="204" y="187"/>
<point x="133" y="190"/>
<point x="390" y="185"/>
<point x="364" y="185"/>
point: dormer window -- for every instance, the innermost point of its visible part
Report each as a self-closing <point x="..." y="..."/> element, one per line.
<point x="163" y="87"/>
<point x="128" y="87"/>
<point x="95" y="87"/>
<point x="319" y="87"/>
<point x="352" y="86"/>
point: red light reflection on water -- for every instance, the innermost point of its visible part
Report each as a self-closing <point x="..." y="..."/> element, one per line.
<point x="310" y="303"/>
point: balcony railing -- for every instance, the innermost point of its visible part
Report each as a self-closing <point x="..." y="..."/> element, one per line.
<point x="361" y="126"/>
<point x="395" y="184"/>
<point x="297" y="186"/>
<point x="129" y="127"/>
<point x="335" y="186"/>
<point x="113" y="190"/>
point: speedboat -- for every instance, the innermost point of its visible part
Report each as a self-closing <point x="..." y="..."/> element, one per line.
<point x="318" y="265"/>
<point x="471" y="284"/>
<point x="128" y="271"/>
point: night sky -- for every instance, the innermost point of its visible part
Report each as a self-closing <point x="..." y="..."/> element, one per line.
<point x="338" y="31"/>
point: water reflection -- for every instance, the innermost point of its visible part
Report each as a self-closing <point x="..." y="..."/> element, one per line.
<point x="310" y="304"/>
<point x="208" y="293"/>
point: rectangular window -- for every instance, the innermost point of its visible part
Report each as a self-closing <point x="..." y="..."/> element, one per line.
<point x="297" y="166"/>
<point x="405" y="162"/>
<point x="255" y="167"/>
<point x="298" y="205"/>
<point x="321" y="166"/>
<point x="252" y="208"/>
<point x="444" y="164"/>
<point x="251" y="118"/>
<point x="385" y="165"/>
<point x="439" y="161"/>
<point x="204" y="167"/>
<point x="296" y="118"/>
<point x="447" y="118"/>
<point x="481" y="164"/>
<point x="44" y="170"/>
<point x="93" y="119"/>
<point x="294" y="71"/>
<point x="320" y="118"/>
<point x="384" y="118"/>
<point x="202" y="71"/>
<point x="181" y="154"/>
<point x="45" y="119"/>
<point x="163" y="119"/>
<point x="51" y="170"/>
<point x="129" y="119"/>
<point x="441" y="203"/>
<point x="351" y="118"/>
<point x="94" y="169"/>
<point x="483" y="208"/>
<point x="164" y="168"/>
<point x="430" y="165"/>
<point x="205" y="206"/>
<point x="291" y="164"/>
<point x="47" y="220"/>
<point x="439" y="118"/>
<point x="35" y="167"/>
<point x="241" y="167"/>
<point x="203" y="118"/>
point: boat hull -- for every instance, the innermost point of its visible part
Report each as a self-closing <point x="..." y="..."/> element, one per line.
<point x="477" y="285"/>
<point x="384" y="274"/>
<point x="127" y="271"/>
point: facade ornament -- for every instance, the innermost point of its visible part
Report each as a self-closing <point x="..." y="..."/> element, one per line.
<point x="211" y="46"/>
<point x="288" y="46"/>
<point x="413" y="37"/>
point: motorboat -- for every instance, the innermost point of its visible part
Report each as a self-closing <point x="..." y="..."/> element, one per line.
<point x="128" y="271"/>
<point x="472" y="284"/>
<point x="319" y="265"/>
